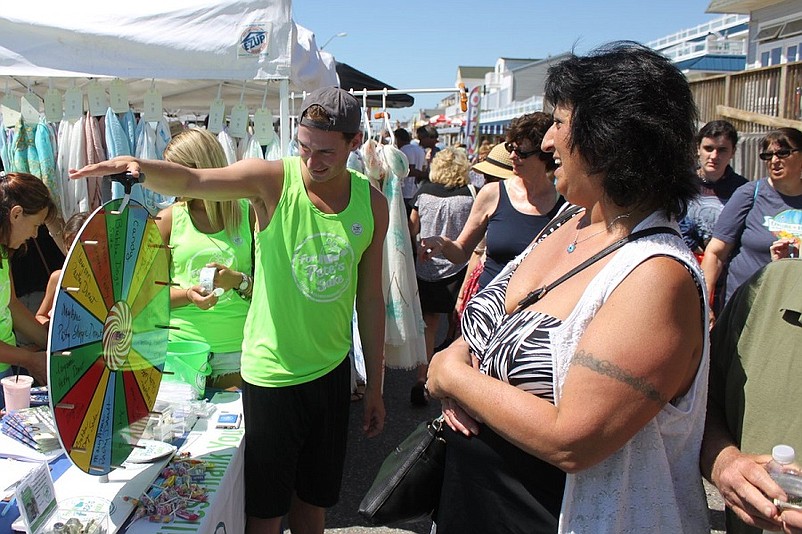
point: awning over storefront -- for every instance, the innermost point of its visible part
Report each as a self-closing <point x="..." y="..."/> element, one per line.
<point x="351" y="78"/>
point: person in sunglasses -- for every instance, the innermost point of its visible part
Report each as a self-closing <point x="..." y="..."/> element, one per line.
<point x="585" y="411"/>
<point x="512" y="211"/>
<point x="758" y="214"/>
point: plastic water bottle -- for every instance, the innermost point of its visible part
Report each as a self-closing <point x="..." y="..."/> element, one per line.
<point x="782" y="470"/>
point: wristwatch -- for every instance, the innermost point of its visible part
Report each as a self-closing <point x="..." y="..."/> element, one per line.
<point x="246" y="282"/>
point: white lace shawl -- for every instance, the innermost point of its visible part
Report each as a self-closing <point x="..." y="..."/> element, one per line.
<point x="652" y="484"/>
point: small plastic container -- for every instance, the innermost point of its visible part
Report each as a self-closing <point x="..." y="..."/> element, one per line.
<point x="784" y="472"/>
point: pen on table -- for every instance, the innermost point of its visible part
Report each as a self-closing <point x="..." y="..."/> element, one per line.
<point x="7" y="507"/>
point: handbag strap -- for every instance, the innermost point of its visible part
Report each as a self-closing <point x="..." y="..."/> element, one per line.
<point x="537" y="294"/>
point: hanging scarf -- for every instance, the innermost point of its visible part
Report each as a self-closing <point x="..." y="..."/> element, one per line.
<point x="5" y="144"/>
<point x="95" y="153"/>
<point x="46" y="161"/>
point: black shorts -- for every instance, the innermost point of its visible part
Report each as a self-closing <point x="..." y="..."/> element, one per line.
<point x="295" y="439"/>
<point x="440" y="296"/>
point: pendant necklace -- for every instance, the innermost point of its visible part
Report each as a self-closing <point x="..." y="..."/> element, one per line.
<point x="576" y="241"/>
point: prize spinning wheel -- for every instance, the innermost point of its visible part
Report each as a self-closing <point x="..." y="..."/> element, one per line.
<point x="108" y="335"/>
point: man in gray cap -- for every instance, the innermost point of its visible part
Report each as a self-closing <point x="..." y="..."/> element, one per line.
<point x="318" y="250"/>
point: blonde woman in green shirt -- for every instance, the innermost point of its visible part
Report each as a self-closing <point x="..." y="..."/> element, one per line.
<point x="206" y="233"/>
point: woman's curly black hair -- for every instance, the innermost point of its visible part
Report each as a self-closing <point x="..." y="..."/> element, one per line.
<point x="633" y="121"/>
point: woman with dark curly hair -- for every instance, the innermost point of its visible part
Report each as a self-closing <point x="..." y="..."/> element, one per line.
<point x="592" y="345"/>
<point x="25" y="205"/>
<point x="510" y="212"/>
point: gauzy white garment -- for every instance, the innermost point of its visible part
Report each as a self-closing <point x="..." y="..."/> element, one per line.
<point x="273" y="149"/>
<point x="404" y="343"/>
<point x="229" y="146"/>
<point x="72" y="155"/>
<point x="653" y="483"/>
<point x="251" y="149"/>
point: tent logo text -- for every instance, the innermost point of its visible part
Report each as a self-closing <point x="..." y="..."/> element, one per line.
<point x="253" y="41"/>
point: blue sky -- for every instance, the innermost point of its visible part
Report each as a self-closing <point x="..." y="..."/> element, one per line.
<point x="417" y="44"/>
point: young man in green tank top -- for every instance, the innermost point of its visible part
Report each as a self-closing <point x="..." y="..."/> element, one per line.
<point x="318" y="241"/>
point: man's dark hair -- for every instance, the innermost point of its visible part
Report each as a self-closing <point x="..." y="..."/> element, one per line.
<point x="402" y="136"/>
<point x="428" y="131"/>
<point x="718" y="128"/>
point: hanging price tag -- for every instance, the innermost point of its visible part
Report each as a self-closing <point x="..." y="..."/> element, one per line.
<point x="98" y="101"/>
<point x="9" y="107"/>
<point x="153" y="111"/>
<point x="54" y="106"/>
<point x="263" y="126"/>
<point x="217" y="114"/>
<point x="73" y="104"/>
<point x="29" y="107"/>
<point x="238" y="125"/>
<point x="118" y="96"/>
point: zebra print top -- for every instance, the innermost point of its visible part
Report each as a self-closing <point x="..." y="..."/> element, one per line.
<point x="513" y="348"/>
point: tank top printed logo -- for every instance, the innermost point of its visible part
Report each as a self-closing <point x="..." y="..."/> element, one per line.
<point x="322" y="265"/>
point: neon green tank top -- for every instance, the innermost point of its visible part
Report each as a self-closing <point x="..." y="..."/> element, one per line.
<point x="299" y="327"/>
<point x="221" y="326"/>
<point x="6" y="322"/>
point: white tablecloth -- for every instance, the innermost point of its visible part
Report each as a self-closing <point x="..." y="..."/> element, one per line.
<point x="224" y="513"/>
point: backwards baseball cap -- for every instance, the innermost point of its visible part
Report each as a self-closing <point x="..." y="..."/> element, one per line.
<point x="343" y="109"/>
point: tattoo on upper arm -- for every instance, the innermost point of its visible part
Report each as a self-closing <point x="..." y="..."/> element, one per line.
<point x="585" y="359"/>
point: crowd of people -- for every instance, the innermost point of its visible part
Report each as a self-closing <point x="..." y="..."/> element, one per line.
<point x="629" y="305"/>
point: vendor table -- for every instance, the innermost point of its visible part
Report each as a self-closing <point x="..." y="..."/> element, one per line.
<point x="225" y="509"/>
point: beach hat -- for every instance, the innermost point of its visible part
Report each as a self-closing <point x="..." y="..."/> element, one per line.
<point x="497" y="163"/>
<point x="342" y="107"/>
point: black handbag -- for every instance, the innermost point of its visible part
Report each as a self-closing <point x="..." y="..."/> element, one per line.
<point x="407" y="487"/>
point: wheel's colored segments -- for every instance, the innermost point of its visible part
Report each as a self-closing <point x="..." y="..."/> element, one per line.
<point x="72" y="325"/>
<point x="137" y="254"/>
<point x="93" y="243"/>
<point x="79" y="279"/>
<point x="107" y="339"/>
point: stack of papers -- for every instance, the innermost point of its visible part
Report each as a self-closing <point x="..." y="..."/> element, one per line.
<point x="34" y="427"/>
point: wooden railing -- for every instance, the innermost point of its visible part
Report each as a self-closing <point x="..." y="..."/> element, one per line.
<point x="756" y="100"/>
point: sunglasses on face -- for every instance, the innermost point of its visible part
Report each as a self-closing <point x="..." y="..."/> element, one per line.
<point x="511" y="147"/>
<point x="782" y="154"/>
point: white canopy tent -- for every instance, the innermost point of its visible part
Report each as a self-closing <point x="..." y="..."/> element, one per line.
<point x="190" y="51"/>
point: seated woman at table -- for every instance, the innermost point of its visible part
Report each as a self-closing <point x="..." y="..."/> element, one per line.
<point x="205" y="233"/>
<point x="604" y="376"/>
<point x="25" y="205"/>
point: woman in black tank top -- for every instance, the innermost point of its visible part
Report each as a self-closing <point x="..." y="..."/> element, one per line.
<point x="510" y="212"/>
